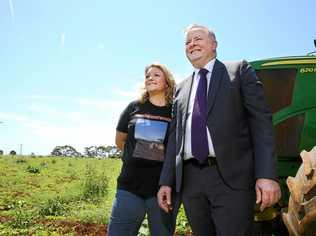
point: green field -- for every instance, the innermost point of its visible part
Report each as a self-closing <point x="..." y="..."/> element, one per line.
<point x="59" y="196"/>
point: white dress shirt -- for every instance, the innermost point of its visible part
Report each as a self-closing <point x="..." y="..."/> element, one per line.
<point x="187" y="146"/>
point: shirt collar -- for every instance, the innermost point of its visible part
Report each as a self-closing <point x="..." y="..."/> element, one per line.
<point x="209" y="66"/>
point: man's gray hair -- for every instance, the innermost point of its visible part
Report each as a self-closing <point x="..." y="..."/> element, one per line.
<point x="196" y="26"/>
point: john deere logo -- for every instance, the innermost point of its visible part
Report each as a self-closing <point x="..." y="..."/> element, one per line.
<point x="308" y="70"/>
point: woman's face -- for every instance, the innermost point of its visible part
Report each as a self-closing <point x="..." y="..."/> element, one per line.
<point x="155" y="81"/>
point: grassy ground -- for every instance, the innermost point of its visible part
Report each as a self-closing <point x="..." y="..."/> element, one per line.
<point x="59" y="196"/>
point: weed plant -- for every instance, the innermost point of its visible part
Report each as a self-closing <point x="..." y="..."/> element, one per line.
<point x="95" y="185"/>
<point x="53" y="207"/>
<point x="33" y="169"/>
<point x="20" y="161"/>
<point x="22" y="218"/>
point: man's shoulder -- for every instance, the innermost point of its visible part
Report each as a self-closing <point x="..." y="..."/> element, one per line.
<point x="183" y="82"/>
<point x="235" y="66"/>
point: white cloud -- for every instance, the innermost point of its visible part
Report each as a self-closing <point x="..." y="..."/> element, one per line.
<point x="62" y="41"/>
<point x="133" y="93"/>
<point x="12" y="11"/>
<point x="79" y="135"/>
<point x="101" y="46"/>
<point x="44" y="97"/>
<point x="79" y="121"/>
<point x="40" y="104"/>
<point x="128" y="93"/>
<point x="179" y="77"/>
<point x="45" y="109"/>
<point x="42" y="136"/>
<point x="88" y="133"/>
<point x="5" y="116"/>
<point x="100" y="104"/>
<point x="87" y="111"/>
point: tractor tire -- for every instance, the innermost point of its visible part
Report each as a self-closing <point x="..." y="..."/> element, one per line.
<point x="300" y="218"/>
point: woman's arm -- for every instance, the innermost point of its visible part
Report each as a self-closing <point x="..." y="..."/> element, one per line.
<point x="120" y="139"/>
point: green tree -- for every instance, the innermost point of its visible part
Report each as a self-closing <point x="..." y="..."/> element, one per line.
<point x="113" y="152"/>
<point x="13" y="153"/>
<point x="91" y="151"/>
<point x="65" y="151"/>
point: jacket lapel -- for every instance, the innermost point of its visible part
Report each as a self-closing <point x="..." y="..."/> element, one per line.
<point x="215" y="82"/>
<point x="186" y="97"/>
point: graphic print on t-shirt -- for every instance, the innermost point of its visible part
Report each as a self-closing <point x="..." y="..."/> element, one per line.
<point x="150" y="132"/>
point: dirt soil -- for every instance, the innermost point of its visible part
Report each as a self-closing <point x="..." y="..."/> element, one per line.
<point x="76" y="227"/>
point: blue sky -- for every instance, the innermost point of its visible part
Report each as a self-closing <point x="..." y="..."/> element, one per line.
<point x="150" y="130"/>
<point x="69" y="67"/>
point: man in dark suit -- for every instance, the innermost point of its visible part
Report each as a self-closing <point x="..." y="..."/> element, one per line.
<point x="221" y="147"/>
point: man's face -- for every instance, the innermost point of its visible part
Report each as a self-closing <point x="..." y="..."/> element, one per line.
<point x="199" y="47"/>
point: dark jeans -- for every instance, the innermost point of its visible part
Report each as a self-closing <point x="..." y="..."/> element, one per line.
<point x="129" y="211"/>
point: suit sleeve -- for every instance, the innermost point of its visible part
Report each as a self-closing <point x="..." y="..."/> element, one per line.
<point x="167" y="175"/>
<point x="260" y="123"/>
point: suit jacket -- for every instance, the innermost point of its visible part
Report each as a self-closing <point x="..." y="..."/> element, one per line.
<point x="240" y="125"/>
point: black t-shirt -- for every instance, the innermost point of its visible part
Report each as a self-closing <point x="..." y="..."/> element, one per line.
<point x="146" y="126"/>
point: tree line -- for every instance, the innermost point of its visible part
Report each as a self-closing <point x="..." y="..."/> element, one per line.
<point x="12" y="152"/>
<point x="92" y="151"/>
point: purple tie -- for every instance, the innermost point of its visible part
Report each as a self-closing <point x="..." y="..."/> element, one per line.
<point x="199" y="142"/>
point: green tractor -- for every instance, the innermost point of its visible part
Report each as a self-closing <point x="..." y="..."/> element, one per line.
<point x="290" y="89"/>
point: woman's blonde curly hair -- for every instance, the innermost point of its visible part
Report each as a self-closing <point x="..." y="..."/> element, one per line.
<point x="169" y="80"/>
